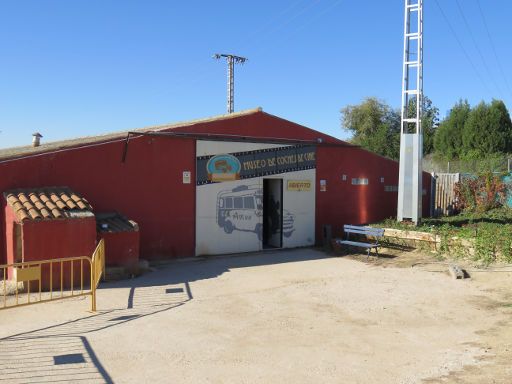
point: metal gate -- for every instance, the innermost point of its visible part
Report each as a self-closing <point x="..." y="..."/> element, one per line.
<point x="35" y="282"/>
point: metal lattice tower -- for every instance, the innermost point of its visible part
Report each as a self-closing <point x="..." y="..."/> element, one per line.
<point x="231" y="60"/>
<point x="411" y="138"/>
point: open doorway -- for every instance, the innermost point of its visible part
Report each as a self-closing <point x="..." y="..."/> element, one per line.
<point x="272" y="213"/>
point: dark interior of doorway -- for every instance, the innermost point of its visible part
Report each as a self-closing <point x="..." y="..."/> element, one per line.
<point x="272" y="213"/>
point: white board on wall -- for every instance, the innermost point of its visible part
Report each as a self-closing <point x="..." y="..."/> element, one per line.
<point x="229" y="213"/>
<point x="298" y="210"/>
<point x="229" y="217"/>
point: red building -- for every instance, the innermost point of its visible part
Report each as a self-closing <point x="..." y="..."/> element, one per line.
<point x="46" y="223"/>
<point x="122" y="239"/>
<point x="249" y="179"/>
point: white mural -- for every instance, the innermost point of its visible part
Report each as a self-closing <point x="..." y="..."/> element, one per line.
<point x="230" y="202"/>
<point x="240" y="209"/>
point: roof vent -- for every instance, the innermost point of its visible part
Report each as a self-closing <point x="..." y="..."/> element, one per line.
<point x="36" y="139"/>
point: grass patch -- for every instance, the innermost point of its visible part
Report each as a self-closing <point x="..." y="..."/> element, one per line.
<point x="490" y="234"/>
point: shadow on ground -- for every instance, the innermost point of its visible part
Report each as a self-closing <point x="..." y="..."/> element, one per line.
<point x="62" y="353"/>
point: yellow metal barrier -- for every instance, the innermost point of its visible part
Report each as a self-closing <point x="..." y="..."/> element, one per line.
<point x="41" y="274"/>
<point x="98" y="270"/>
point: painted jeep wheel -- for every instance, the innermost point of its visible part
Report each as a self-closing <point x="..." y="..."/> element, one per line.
<point x="228" y="227"/>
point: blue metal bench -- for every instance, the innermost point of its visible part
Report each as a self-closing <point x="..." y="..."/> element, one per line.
<point x="371" y="233"/>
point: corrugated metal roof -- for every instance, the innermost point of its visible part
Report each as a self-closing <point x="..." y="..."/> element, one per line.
<point x="113" y="222"/>
<point x="17" y="152"/>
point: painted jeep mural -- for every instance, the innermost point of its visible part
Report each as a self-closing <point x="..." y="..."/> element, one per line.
<point x="241" y="209"/>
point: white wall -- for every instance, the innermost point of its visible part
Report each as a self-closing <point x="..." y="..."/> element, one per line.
<point x="215" y="236"/>
<point x="300" y="204"/>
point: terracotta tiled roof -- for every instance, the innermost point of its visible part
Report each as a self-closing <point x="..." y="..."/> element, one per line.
<point x="114" y="222"/>
<point x="45" y="203"/>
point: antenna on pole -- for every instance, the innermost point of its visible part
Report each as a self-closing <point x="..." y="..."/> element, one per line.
<point x="231" y="60"/>
<point x="410" y="189"/>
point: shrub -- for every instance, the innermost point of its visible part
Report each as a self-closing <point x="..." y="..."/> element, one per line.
<point x="480" y="194"/>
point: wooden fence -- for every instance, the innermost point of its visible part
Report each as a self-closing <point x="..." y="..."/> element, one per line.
<point x="444" y="194"/>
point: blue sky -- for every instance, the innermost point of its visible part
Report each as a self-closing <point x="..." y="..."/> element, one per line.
<point x="78" y="68"/>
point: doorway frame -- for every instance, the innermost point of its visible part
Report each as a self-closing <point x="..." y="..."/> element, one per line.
<point x="264" y="239"/>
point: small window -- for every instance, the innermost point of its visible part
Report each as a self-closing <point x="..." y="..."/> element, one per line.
<point x="360" y="181"/>
<point x="229" y="202"/>
<point x="249" y="202"/>
<point x="238" y="202"/>
<point x="221" y="203"/>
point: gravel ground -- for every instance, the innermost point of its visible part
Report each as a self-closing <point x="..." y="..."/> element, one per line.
<point x="293" y="316"/>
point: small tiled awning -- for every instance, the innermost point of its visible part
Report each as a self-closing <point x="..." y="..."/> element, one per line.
<point x="114" y="222"/>
<point x="46" y="203"/>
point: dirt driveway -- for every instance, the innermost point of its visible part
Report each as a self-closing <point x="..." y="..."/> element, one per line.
<point x="295" y="316"/>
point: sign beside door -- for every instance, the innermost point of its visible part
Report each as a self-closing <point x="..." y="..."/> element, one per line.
<point x="298" y="185"/>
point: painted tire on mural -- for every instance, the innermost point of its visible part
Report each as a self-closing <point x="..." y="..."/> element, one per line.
<point x="228" y="227"/>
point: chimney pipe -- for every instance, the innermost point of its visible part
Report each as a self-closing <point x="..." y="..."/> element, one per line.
<point x="36" y="139"/>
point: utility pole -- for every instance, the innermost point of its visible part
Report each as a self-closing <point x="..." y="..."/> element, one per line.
<point x="410" y="188"/>
<point x="231" y="60"/>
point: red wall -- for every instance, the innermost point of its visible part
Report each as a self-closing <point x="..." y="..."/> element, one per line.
<point x="121" y="248"/>
<point x="148" y="187"/>
<point x="344" y="203"/>
<point x="9" y="222"/>
<point x="51" y="239"/>
<point x="259" y="124"/>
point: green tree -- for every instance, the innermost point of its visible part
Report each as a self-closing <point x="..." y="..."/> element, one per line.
<point x="448" y="136"/>
<point x="499" y="119"/>
<point x="488" y="130"/>
<point x="375" y="126"/>
<point x="429" y="122"/>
